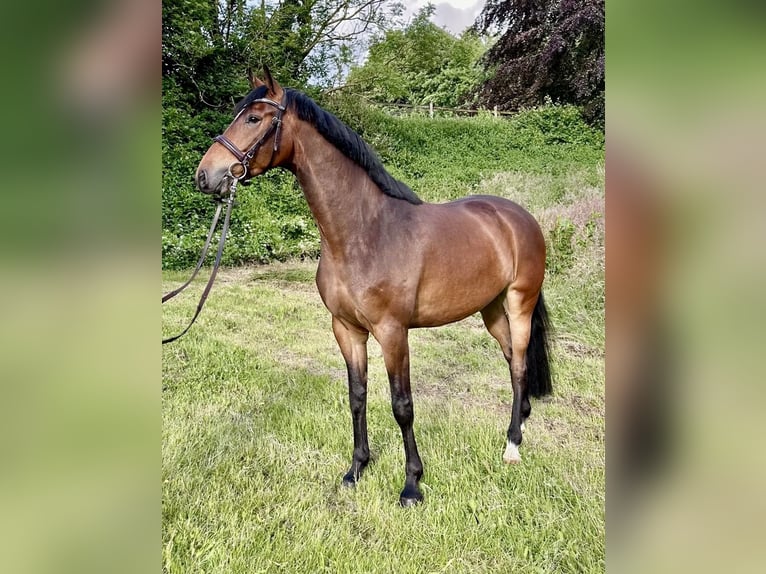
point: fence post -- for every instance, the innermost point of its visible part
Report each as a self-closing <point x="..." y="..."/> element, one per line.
<point x="495" y="111"/>
<point x="431" y="109"/>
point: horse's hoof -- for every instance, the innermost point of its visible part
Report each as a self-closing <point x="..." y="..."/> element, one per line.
<point x="410" y="497"/>
<point x="407" y="502"/>
<point x="354" y="474"/>
<point x="511" y="454"/>
<point x="350" y="480"/>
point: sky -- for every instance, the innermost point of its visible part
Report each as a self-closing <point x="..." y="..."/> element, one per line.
<point x="455" y="15"/>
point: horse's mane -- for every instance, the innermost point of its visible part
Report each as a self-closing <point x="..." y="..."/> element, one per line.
<point x="346" y="140"/>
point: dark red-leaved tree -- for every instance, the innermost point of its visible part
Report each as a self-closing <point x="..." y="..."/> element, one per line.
<point x="552" y="48"/>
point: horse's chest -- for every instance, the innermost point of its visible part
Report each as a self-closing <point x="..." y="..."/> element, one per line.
<point x="334" y="287"/>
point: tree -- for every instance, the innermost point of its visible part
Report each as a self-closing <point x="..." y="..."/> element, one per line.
<point x="208" y="44"/>
<point x="546" y="49"/>
<point x="420" y="64"/>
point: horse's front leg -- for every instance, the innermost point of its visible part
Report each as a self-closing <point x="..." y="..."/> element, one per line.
<point x="353" y="345"/>
<point x="395" y="347"/>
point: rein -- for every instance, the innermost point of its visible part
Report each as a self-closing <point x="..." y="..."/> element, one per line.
<point x="238" y="172"/>
<point x="229" y="201"/>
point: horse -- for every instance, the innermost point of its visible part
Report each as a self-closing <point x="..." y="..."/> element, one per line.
<point x="390" y="262"/>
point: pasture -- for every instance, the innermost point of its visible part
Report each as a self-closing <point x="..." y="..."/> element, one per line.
<point x="257" y="428"/>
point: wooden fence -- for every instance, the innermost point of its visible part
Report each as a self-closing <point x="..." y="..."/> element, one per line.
<point x="432" y="109"/>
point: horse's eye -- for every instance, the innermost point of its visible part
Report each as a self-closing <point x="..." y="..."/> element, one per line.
<point x="253" y="119"/>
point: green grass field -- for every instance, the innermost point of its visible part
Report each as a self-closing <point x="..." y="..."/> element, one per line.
<point x="257" y="432"/>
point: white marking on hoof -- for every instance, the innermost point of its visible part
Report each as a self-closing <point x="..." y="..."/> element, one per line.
<point x="511" y="455"/>
<point x="523" y="426"/>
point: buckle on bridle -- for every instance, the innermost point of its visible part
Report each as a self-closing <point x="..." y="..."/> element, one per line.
<point x="227" y="196"/>
<point x="229" y="199"/>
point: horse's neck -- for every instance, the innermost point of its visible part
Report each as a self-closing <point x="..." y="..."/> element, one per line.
<point x="342" y="198"/>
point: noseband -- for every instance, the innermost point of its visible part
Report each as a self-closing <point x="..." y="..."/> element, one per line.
<point x="246" y="157"/>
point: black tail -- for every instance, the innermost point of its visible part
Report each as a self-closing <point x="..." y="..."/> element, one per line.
<point x="539" y="381"/>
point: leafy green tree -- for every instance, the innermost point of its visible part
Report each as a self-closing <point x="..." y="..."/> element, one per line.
<point x="208" y="44"/>
<point x="419" y="65"/>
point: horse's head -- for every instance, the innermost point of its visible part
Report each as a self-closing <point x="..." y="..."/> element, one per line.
<point x="253" y="142"/>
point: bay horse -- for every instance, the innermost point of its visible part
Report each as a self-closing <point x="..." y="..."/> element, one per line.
<point x="391" y="262"/>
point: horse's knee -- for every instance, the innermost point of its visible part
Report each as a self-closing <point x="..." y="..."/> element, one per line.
<point x="357" y="395"/>
<point x="401" y="405"/>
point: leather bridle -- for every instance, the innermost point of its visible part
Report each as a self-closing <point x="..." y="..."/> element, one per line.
<point x="245" y="157"/>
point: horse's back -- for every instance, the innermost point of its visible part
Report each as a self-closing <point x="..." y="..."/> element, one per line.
<point x="436" y="263"/>
<point x="509" y="212"/>
<point x="493" y="222"/>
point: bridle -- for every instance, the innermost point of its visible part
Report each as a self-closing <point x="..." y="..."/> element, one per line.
<point x="244" y="159"/>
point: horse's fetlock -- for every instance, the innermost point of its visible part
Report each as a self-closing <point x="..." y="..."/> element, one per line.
<point x="362" y="456"/>
<point x="515" y="435"/>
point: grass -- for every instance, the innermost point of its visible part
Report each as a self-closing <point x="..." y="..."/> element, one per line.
<point x="257" y="434"/>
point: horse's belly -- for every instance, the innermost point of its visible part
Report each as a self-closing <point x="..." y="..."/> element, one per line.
<point x="460" y="278"/>
<point x="439" y="307"/>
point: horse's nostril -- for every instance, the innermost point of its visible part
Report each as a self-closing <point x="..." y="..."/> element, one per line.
<point x="201" y="179"/>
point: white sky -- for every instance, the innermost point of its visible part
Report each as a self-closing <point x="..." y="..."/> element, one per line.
<point x="455" y="15"/>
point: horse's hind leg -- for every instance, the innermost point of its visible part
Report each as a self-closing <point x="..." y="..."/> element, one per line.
<point x="508" y="320"/>
<point x="353" y="346"/>
<point x="496" y="321"/>
<point x="519" y="306"/>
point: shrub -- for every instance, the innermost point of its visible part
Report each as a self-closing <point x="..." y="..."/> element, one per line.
<point x="561" y="246"/>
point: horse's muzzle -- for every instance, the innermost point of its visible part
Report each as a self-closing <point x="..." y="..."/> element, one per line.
<point x="202" y="182"/>
<point x="212" y="184"/>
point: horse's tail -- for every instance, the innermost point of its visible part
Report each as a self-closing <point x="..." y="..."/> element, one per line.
<point x="539" y="381"/>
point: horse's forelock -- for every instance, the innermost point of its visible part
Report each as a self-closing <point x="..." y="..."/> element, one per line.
<point x="256" y="94"/>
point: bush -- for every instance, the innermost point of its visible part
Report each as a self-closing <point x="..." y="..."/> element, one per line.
<point x="561" y="247"/>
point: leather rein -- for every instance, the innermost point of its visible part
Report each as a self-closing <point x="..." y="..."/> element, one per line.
<point x="238" y="172"/>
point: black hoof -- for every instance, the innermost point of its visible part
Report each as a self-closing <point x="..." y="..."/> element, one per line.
<point x="349" y="481"/>
<point x="352" y="476"/>
<point x="410" y="497"/>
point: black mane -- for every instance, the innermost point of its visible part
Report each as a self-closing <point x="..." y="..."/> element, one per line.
<point x="346" y="140"/>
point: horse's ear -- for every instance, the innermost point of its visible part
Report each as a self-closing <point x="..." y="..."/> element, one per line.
<point x="254" y="82"/>
<point x="274" y="87"/>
